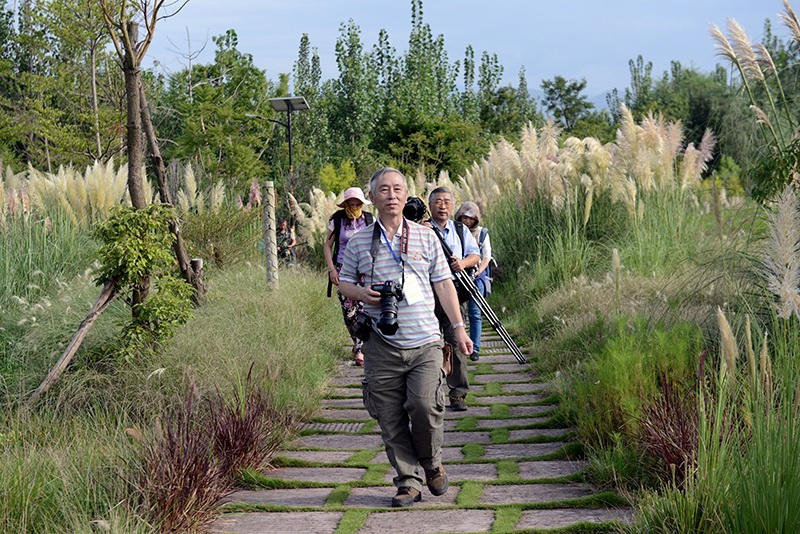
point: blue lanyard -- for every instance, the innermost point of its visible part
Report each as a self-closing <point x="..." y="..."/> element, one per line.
<point x="397" y="258"/>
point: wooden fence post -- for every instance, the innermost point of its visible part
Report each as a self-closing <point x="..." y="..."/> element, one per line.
<point x="270" y="241"/>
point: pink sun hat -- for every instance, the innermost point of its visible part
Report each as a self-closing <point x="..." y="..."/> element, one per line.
<point x="353" y="192"/>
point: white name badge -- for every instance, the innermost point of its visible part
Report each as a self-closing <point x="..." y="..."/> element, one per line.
<point x="412" y="290"/>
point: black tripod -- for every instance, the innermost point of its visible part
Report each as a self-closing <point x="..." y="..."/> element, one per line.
<point x="466" y="280"/>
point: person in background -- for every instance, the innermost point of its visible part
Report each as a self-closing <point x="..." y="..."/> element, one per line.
<point x="286" y="241"/>
<point x="465" y="256"/>
<point x="470" y="216"/>
<point x="342" y="225"/>
<point x="403" y="377"/>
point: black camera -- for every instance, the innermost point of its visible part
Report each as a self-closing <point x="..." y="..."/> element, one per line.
<point x="391" y="292"/>
<point x="362" y="326"/>
<point x="415" y="209"/>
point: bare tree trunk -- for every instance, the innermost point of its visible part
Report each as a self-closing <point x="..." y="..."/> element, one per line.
<point x="95" y="105"/>
<point x="130" y="66"/>
<point x="189" y="274"/>
<point x="106" y="297"/>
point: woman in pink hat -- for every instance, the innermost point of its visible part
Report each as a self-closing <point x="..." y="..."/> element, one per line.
<point x="342" y="226"/>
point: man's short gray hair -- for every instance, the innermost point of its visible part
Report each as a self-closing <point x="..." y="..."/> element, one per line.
<point x="378" y="174"/>
<point x="441" y="190"/>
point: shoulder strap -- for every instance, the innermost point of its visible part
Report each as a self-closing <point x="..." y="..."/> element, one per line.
<point x="460" y="232"/>
<point x="482" y="236"/>
<point x="337" y="227"/>
<point x="368" y="218"/>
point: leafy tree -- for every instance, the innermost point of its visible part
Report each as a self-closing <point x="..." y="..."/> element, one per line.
<point x="334" y="181"/>
<point x="511" y="109"/>
<point x="204" y="109"/>
<point x="490" y="72"/>
<point x="353" y="112"/>
<point x="310" y="128"/>
<point x="563" y="99"/>
<point x="597" y="124"/>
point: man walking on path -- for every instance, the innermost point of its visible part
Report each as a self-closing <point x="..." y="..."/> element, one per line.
<point x="466" y="255"/>
<point x="403" y="376"/>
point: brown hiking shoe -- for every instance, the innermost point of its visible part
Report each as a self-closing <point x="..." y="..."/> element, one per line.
<point x="437" y="480"/>
<point x="458" y="404"/>
<point x="406" y="496"/>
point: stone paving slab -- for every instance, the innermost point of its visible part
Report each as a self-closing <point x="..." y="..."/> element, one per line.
<point x="332" y="475"/>
<point x="328" y="457"/>
<point x="550" y="468"/>
<point x="340" y="441"/>
<point x="352" y="428"/>
<point x="515" y="367"/>
<point x="381" y="497"/>
<point x="261" y="522"/>
<point x="473" y="411"/>
<point x="462" y="438"/>
<point x="343" y="403"/>
<point x="527" y="433"/>
<point x="449" y="454"/>
<point x="349" y="370"/>
<point x="522" y="411"/>
<point x="346" y="381"/>
<point x="498" y="350"/>
<point x="562" y="517"/>
<point x="510" y="399"/>
<point x="503" y="377"/>
<point x="533" y="493"/>
<point x="500" y="358"/>
<point x="501" y="423"/>
<point x="524" y="387"/>
<point x="333" y="413"/>
<point x="428" y="521"/>
<point x="304" y="497"/>
<point x="520" y="450"/>
<point x="462" y="472"/>
<point x="346" y="392"/>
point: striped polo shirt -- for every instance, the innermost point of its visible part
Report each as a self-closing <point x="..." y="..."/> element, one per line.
<point x="417" y="324"/>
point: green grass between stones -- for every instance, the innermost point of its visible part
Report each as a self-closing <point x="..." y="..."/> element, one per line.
<point x="352" y="521"/>
<point x="470" y="494"/>
<point x="338" y="496"/>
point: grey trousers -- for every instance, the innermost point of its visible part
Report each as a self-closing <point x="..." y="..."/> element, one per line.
<point x="402" y="389"/>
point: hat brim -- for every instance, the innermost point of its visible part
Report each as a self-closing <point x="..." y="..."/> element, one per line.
<point x="363" y="202"/>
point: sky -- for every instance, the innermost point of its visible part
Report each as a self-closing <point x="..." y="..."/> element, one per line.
<point x="590" y="39"/>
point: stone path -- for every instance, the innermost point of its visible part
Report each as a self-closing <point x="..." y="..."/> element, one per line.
<point x="510" y="465"/>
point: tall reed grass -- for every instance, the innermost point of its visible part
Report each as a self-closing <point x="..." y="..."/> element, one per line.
<point x="39" y="253"/>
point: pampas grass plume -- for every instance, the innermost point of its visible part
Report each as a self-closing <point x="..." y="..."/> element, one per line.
<point x="766" y="370"/>
<point x="730" y="351"/>
<point x="751" y="355"/>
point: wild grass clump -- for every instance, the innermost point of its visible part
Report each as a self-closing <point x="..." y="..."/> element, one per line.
<point x="64" y="474"/>
<point x="223" y="237"/>
<point x="611" y="389"/>
<point x="746" y="474"/>
<point x="246" y="427"/>
<point x="179" y="479"/>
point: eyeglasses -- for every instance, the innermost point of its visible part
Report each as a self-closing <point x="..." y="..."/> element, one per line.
<point x="445" y="201"/>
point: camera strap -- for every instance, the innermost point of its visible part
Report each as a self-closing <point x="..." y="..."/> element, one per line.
<point x="377" y="235"/>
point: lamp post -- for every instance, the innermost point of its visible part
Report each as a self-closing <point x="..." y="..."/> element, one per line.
<point x="287" y="104"/>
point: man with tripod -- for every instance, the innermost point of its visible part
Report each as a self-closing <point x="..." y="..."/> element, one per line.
<point x="403" y="265"/>
<point x="466" y="255"/>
